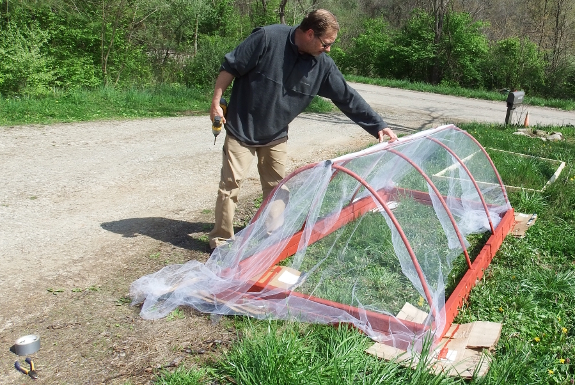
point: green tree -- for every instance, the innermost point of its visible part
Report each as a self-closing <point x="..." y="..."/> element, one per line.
<point x="516" y="64"/>
<point x="413" y="51"/>
<point x="368" y="54"/>
<point x="463" y="50"/>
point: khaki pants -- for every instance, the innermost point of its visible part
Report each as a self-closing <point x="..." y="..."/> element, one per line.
<point x="237" y="159"/>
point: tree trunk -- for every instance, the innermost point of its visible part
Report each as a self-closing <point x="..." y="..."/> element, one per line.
<point x="103" y="37"/>
<point x="439" y="8"/>
<point x="561" y="10"/>
<point x="196" y="36"/>
<point x="283" y="11"/>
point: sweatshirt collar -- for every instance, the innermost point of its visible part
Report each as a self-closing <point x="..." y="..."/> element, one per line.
<point x="294" y="47"/>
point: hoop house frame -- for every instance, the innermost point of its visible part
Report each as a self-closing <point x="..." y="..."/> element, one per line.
<point x="354" y="210"/>
<point x="241" y="278"/>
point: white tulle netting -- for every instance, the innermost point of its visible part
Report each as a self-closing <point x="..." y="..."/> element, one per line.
<point x="377" y="239"/>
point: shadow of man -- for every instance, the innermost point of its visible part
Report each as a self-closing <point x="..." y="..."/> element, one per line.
<point x="166" y="230"/>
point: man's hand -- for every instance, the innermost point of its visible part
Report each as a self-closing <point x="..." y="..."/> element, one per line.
<point x="387" y="131"/>
<point x="216" y="110"/>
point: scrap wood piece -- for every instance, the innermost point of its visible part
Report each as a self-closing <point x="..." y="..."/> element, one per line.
<point x="410" y="313"/>
<point x="281" y="277"/>
<point x="522" y="223"/>
<point x="460" y="353"/>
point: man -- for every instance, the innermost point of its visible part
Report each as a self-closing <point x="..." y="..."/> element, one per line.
<point x="277" y="71"/>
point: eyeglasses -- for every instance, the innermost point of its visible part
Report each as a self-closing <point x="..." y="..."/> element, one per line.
<point x="324" y="45"/>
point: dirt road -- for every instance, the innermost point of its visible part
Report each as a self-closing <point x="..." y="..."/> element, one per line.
<point x="87" y="208"/>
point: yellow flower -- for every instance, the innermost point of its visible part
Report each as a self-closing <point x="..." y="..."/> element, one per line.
<point x="500" y="308"/>
<point x="562" y="360"/>
<point x="537" y="339"/>
<point x="564" y="330"/>
<point x="550" y="371"/>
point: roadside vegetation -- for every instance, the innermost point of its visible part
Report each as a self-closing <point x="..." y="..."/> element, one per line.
<point x="64" y="60"/>
<point x="529" y="288"/>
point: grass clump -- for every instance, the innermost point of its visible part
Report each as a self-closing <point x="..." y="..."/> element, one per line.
<point x="183" y="376"/>
<point x="278" y="352"/>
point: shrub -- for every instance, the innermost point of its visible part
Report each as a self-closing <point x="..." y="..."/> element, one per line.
<point x="463" y="49"/>
<point x="201" y="71"/>
<point x="516" y="64"/>
<point x="24" y="69"/>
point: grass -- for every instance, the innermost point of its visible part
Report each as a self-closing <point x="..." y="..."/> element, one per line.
<point x="103" y="103"/>
<point x="564" y="104"/>
<point x="529" y="287"/>
<point x="276" y="352"/>
<point x="109" y="103"/>
<point x="523" y="171"/>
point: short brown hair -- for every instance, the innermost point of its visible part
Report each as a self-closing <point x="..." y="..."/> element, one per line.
<point x="320" y="21"/>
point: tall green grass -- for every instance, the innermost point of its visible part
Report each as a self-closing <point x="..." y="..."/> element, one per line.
<point x="276" y="352"/>
<point x="103" y="103"/>
<point x="110" y="103"/>
<point x="176" y="100"/>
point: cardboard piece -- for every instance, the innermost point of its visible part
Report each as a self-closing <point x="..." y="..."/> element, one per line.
<point x="410" y="313"/>
<point x="459" y="353"/>
<point x="461" y="350"/>
<point x="282" y="277"/>
<point x="522" y="223"/>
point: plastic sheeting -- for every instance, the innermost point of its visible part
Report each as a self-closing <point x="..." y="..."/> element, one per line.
<point x="362" y="235"/>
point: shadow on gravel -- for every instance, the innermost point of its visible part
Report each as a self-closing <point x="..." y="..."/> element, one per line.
<point x="165" y="230"/>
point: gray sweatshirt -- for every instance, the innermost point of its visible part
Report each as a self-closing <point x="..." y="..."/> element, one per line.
<point x="274" y="83"/>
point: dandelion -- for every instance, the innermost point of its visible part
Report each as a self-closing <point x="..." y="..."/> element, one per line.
<point x="564" y="330"/>
<point x="537" y="339"/>
<point x="562" y="360"/>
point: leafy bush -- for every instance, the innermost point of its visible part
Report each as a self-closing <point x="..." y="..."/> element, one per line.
<point x="370" y="49"/>
<point x="560" y="82"/>
<point x="516" y="64"/>
<point x="24" y="69"/>
<point x="201" y="71"/>
<point x="463" y="50"/>
<point x="413" y="49"/>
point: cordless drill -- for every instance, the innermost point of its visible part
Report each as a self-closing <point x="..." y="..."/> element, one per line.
<point x="217" y="124"/>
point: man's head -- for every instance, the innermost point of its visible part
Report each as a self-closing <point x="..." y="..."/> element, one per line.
<point x="318" y="32"/>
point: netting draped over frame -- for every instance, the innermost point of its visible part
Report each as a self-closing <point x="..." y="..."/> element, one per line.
<point x="354" y="240"/>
